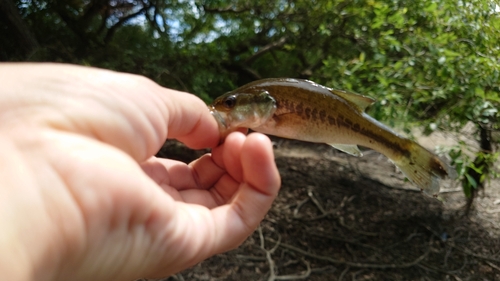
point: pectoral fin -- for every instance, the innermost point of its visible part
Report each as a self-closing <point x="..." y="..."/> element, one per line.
<point x="348" y="148"/>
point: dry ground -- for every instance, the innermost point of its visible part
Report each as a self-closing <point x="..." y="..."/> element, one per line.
<point x="343" y="218"/>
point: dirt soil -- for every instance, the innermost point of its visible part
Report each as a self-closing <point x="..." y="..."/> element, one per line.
<point x="339" y="217"/>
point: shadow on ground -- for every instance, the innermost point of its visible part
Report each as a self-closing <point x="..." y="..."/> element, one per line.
<point x="344" y="218"/>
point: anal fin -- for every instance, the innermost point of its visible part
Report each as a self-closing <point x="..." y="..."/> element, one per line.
<point x="351" y="149"/>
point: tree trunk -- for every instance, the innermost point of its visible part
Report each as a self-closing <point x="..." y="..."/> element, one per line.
<point x="20" y="36"/>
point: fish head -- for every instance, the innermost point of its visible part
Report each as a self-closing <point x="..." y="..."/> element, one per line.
<point x="242" y="109"/>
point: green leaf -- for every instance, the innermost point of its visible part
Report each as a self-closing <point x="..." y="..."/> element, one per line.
<point x="450" y="53"/>
<point x="479" y="92"/>
<point x="472" y="182"/>
<point x="362" y="57"/>
<point x="431" y="8"/>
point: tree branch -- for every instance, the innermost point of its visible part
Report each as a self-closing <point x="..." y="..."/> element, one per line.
<point x="228" y="9"/>
<point x="111" y="31"/>
<point x="252" y="72"/>
<point x="265" y="49"/>
<point x="26" y="41"/>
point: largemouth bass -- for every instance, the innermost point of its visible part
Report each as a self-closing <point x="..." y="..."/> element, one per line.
<point x="303" y="110"/>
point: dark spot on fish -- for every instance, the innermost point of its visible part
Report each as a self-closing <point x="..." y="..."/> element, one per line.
<point x="331" y="121"/>
<point x="436" y="165"/>
<point x="286" y="104"/>
<point x="356" y="127"/>
<point x="299" y="108"/>
<point x="322" y="116"/>
<point x="282" y="103"/>
<point x="314" y="114"/>
<point x="341" y="121"/>
<point x="308" y="113"/>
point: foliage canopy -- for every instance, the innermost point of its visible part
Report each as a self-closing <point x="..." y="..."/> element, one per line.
<point x="431" y="63"/>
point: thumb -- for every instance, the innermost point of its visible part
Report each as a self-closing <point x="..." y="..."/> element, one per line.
<point x="255" y="195"/>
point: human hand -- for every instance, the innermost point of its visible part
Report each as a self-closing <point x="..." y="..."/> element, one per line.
<point x="81" y="196"/>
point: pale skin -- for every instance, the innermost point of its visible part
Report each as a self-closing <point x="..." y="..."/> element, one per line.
<point x="83" y="198"/>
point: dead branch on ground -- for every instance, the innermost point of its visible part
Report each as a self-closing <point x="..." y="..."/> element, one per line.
<point x="356" y="264"/>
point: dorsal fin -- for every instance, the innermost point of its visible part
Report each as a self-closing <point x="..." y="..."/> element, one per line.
<point x="361" y="102"/>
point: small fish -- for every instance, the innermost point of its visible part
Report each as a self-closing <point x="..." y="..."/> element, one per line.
<point x="303" y="110"/>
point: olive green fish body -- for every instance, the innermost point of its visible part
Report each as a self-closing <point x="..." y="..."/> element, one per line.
<point x="310" y="112"/>
<point x="304" y="110"/>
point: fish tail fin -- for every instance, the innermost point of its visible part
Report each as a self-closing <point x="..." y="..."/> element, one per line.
<point x="423" y="168"/>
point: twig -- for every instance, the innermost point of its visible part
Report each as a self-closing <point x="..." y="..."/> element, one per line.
<point x="355" y="264"/>
<point x="272" y="273"/>
<point x="270" y="261"/>
<point x="322" y="216"/>
<point x="353" y="255"/>
<point x="355" y="274"/>
<point x="324" y="269"/>
<point x="322" y="235"/>
<point x="342" y="223"/>
<point x="272" y="264"/>
<point x="250" y="258"/>
<point x="332" y="212"/>
<point x="463" y="265"/>
<point x="407" y="239"/>
<point x="435" y="269"/>
<point x="463" y="250"/>
<point x="315" y="201"/>
<point x="431" y="230"/>
<point x="290" y="262"/>
<point x="344" y="272"/>
<point x="466" y="251"/>
<point x="493" y="265"/>
<point x="295" y="277"/>
<point x="299" y="205"/>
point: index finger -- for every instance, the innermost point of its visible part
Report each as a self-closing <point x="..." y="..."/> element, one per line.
<point x="190" y="121"/>
<point x="127" y="111"/>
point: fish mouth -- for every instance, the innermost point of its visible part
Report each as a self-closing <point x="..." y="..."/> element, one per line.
<point x="221" y="121"/>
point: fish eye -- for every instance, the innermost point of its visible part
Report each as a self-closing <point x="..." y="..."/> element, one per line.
<point x="230" y="101"/>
